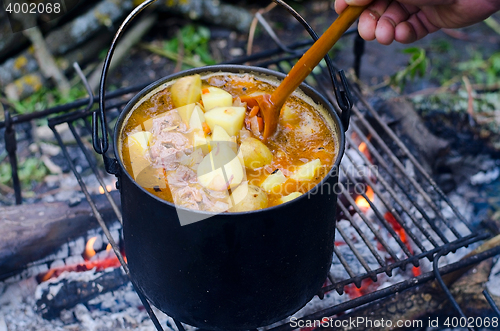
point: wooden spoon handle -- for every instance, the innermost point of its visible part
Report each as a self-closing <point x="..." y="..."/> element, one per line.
<point x="314" y="55"/>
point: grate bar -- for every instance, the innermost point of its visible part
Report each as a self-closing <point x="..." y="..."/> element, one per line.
<point x="446" y="290"/>
<point x="381" y="217"/>
<point x="360" y="258"/>
<point x="412" y="158"/>
<point x="344" y="262"/>
<point x="394" y="195"/>
<point x="388" y="269"/>
<point x="405" y="191"/>
<point x="372" y="249"/>
<point x="387" y="205"/>
<point x="96" y="171"/>
<point x="401" y="168"/>
<point x="369" y="224"/>
<point x="404" y="285"/>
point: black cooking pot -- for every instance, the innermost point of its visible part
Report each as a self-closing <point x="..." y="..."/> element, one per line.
<point x="231" y="271"/>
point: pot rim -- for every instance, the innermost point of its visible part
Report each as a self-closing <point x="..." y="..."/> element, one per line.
<point x="230" y="68"/>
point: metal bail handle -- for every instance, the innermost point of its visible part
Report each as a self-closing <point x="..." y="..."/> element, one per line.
<point x="339" y="81"/>
<point x="100" y="140"/>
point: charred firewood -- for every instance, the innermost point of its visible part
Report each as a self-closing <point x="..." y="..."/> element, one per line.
<point x="80" y="287"/>
<point x="29" y="234"/>
<point x="74" y="33"/>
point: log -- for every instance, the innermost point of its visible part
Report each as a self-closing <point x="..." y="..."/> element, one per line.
<point x="46" y="60"/>
<point x="29" y="234"/>
<point x="28" y="83"/>
<point x="103" y="15"/>
<point x="131" y="37"/>
<point x="211" y="11"/>
<point x="412" y="126"/>
<point x="98" y="18"/>
<point x="54" y="296"/>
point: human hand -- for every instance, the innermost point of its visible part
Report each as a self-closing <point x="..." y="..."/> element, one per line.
<point x="409" y="20"/>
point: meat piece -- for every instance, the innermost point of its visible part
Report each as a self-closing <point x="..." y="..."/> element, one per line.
<point x="182" y="176"/>
<point x="188" y="196"/>
<point x="169" y="120"/>
<point x="211" y="201"/>
<point x="169" y="145"/>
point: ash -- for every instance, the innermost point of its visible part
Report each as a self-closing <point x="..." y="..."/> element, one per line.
<point x="117" y="310"/>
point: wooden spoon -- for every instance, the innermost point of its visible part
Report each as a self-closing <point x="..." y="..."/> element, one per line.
<point x="270" y="105"/>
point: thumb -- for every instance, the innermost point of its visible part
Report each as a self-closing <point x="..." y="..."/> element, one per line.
<point x="358" y="2"/>
<point x="340" y="5"/>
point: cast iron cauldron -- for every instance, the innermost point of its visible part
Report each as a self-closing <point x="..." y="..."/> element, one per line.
<point x="232" y="271"/>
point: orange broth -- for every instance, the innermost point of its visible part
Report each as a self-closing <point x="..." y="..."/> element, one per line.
<point x="296" y="142"/>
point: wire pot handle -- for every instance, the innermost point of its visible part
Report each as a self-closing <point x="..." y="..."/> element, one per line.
<point x="100" y="141"/>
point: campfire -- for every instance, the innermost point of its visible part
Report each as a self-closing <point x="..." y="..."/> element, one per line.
<point x="396" y="232"/>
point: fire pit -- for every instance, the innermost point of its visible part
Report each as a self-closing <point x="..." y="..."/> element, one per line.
<point x="393" y="220"/>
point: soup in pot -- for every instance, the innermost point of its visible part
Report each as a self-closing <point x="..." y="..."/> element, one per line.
<point x="197" y="142"/>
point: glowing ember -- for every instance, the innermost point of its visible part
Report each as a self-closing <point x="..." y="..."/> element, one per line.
<point x="89" y="248"/>
<point x="100" y="261"/>
<point x="402" y="234"/>
<point x="367" y="286"/>
<point x="109" y="262"/>
<point x="362" y="203"/>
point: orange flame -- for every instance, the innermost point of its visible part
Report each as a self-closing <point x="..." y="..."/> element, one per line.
<point x="108" y="247"/>
<point x="89" y="248"/>
<point x="108" y="188"/>
<point x="362" y="203"/>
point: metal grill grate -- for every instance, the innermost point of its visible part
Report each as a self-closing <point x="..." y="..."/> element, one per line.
<point x="368" y="245"/>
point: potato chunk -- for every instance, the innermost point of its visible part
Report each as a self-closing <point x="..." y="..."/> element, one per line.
<point x="220" y="135"/>
<point x="138" y="144"/>
<point x="201" y="141"/>
<point x="220" y="169"/>
<point x="290" y="197"/>
<point x="215" y="97"/>
<point x="255" y="153"/>
<point x="185" y="112"/>
<point x="273" y="181"/>
<point x="197" y="119"/>
<point x="229" y="118"/>
<point x="307" y="171"/>
<point x="247" y="197"/>
<point x="186" y="90"/>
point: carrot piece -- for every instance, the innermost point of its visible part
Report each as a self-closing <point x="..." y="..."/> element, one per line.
<point x="206" y="128"/>
<point x="254" y="111"/>
<point x="261" y="123"/>
<point x="251" y="102"/>
<point x="205" y="91"/>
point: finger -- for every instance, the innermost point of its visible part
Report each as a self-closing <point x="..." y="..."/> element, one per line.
<point x="405" y="33"/>
<point x="410" y="31"/>
<point x="370" y="17"/>
<point x="394" y="15"/>
<point x="340" y="5"/>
